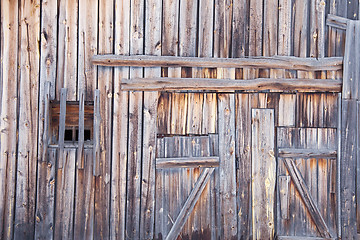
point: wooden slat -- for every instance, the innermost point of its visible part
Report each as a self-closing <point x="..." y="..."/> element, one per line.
<point x="80" y="152"/>
<point x="336" y="21"/>
<point x="96" y="137"/>
<point x="45" y="207"/>
<point x="190" y="203"/>
<point x="63" y="96"/>
<point x="302" y="238"/>
<point x="348" y="169"/>
<point x="349" y="63"/>
<point x="188" y="162"/>
<point x="260" y="84"/>
<point x="284" y="187"/>
<point x="227" y="168"/>
<point x="305" y="194"/>
<point x="84" y="199"/>
<point x="44" y="137"/>
<point x="120" y="122"/>
<point x="67" y="48"/>
<point x="87" y="46"/>
<point x="281" y="62"/>
<point x="263" y="173"/>
<point x="317" y="29"/>
<point x="306" y="153"/>
<point x="256" y="28"/>
<point x="358" y="167"/>
<point x="64" y="203"/>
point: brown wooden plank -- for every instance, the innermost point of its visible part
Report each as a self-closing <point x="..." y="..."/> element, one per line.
<point x="187" y="162"/>
<point x="179" y="105"/>
<point x="209" y="115"/>
<point x="88" y="46"/>
<point x="284" y="185"/>
<point x="305" y="194"/>
<point x="120" y="123"/>
<point x="306" y="153"/>
<point x="240" y="11"/>
<point x="190" y="203"/>
<point x="281" y="62"/>
<point x="45" y="122"/>
<point x="348" y="169"/>
<point x="195" y="113"/>
<point x="227" y="169"/>
<point x="96" y="138"/>
<point x="259" y="84"/>
<point x="62" y="117"/>
<point x="67" y="48"/>
<point x="80" y="151"/>
<point x="45" y="197"/>
<point x="65" y="190"/>
<point x="84" y="199"/>
<point x="263" y="173"/>
<point x="317" y="29"/>
<point x="255" y="28"/>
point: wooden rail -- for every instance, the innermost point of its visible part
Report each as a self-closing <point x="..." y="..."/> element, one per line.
<point x="336" y="21"/>
<point x="187" y="162"/>
<point x="306" y="153"/>
<point x="280" y="62"/>
<point x="260" y="84"/>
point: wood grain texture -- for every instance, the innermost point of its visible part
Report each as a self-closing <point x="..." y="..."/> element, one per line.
<point x="187" y="162"/>
<point x="259" y="84"/>
<point x="227" y="169"/>
<point x="284" y="62"/>
<point x="263" y="172"/>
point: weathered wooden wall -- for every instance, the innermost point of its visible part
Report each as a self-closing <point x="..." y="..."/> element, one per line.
<point x="54" y="41"/>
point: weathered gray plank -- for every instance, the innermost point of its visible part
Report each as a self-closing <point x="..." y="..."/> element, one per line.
<point x="45" y="122"/>
<point x="187" y="28"/>
<point x="190" y="203"/>
<point x="281" y="62"/>
<point x="96" y="138"/>
<point x="317" y="29"/>
<point x="239" y="32"/>
<point x="179" y="105"/>
<point x="302" y="238"/>
<point x="349" y="64"/>
<point x="62" y="118"/>
<point x="80" y="151"/>
<point x="284" y="186"/>
<point x="45" y="207"/>
<point x="195" y="113"/>
<point x="64" y="203"/>
<point x="287" y="110"/>
<point x="259" y="84"/>
<point x="84" y="199"/>
<point x="255" y="28"/>
<point x="187" y="162"/>
<point x="305" y="194"/>
<point x="263" y="172"/>
<point x="120" y="122"/>
<point x="336" y="21"/>
<point x="227" y="169"/>
<point x="348" y="169"/>
<point x="306" y="153"/>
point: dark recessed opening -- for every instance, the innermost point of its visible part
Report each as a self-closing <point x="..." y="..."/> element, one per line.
<point x="68" y="135"/>
<point x="87" y="135"/>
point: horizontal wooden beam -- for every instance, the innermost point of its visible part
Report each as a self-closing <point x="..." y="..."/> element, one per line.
<point x="302" y="238"/>
<point x="187" y="162"/>
<point x="306" y="153"/>
<point x="336" y="21"/>
<point x="281" y="62"/>
<point x="259" y="84"/>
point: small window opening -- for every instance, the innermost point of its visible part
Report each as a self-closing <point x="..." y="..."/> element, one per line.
<point x="87" y="135"/>
<point x="68" y="135"/>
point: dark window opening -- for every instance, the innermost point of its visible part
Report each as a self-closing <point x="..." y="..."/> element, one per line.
<point x="87" y="135"/>
<point x="68" y="135"/>
<point x="73" y="135"/>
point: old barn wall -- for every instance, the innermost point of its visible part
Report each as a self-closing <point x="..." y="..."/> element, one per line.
<point x="54" y="41"/>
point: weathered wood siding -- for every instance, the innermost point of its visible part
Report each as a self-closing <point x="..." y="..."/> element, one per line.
<point x="61" y="192"/>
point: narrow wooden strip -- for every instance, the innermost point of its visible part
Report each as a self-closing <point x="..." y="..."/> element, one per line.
<point x="349" y="62"/>
<point x="358" y="168"/>
<point x="187" y="162"/>
<point x="190" y="203"/>
<point x="63" y="96"/>
<point x="336" y="21"/>
<point x="80" y="153"/>
<point x="306" y="153"/>
<point x="259" y="84"/>
<point x="45" y="207"/>
<point x="284" y="188"/>
<point x="263" y="170"/>
<point x="302" y="238"/>
<point x="96" y="138"/>
<point x="281" y="62"/>
<point x="305" y="194"/>
<point x="46" y="126"/>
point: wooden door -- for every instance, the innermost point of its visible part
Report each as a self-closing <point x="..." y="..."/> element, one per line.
<point x="306" y="182"/>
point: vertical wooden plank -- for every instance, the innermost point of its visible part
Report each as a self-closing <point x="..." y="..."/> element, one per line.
<point x="29" y="34"/>
<point x="80" y="152"/>
<point x="284" y="46"/>
<point x="8" y="114"/>
<point x="287" y="108"/>
<point x="227" y="170"/>
<point x="105" y="82"/>
<point x="358" y="168"/>
<point x="209" y="116"/>
<point x="84" y="199"/>
<point x="317" y="28"/>
<point x="120" y="124"/>
<point x="187" y="28"/>
<point x="348" y="169"/>
<point x="349" y="88"/>
<point x="243" y="157"/>
<point x="65" y="190"/>
<point x="284" y="185"/>
<point x="45" y="198"/>
<point x="67" y="48"/>
<point x="96" y="139"/>
<point x="270" y="35"/>
<point x="87" y="47"/>
<point x="160" y="152"/>
<point x="194" y="115"/>
<point x="263" y="172"/>
<point x="45" y="121"/>
<point x="256" y="28"/>
<point x="62" y="123"/>
<point x="164" y="113"/>
<point x="179" y="106"/>
<point x="240" y="10"/>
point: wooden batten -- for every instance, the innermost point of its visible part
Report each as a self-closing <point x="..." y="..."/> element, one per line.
<point x="306" y="153"/>
<point x="260" y="84"/>
<point x="336" y="21"/>
<point x="187" y="162"/>
<point x="46" y="127"/>
<point x="62" y="117"/>
<point x="80" y="152"/>
<point x="96" y="138"/>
